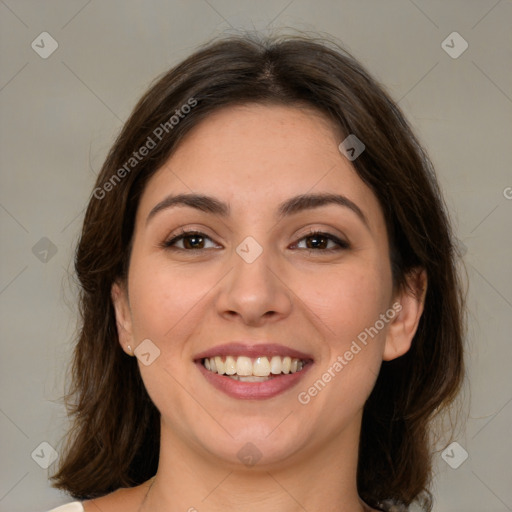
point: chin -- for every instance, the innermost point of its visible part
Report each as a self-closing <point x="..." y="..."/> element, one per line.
<point x="258" y="443"/>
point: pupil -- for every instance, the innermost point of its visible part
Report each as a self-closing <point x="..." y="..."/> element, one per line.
<point x="315" y="239"/>
<point x="190" y="240"/>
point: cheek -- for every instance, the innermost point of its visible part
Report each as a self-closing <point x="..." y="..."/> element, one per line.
<point x="348" y="299"/>
<point x="165" y="304"/>
<point x="349" y="302"/>
<point x="163" y="298"/>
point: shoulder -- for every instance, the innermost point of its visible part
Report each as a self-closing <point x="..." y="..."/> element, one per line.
<point x="125" y="499"/>
<point x="74" y="506"/>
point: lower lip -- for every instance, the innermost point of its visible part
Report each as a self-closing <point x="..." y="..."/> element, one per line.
<point x="253" y="390"/>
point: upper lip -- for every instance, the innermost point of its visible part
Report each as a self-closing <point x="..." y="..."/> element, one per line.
<point x="238" y="348"/>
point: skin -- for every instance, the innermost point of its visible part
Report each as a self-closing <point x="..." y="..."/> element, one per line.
<point x="254" y="157"/>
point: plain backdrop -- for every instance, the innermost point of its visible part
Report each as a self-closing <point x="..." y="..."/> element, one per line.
<point x="60" y="114"/>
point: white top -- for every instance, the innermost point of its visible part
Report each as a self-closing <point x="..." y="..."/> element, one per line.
<point x="75" y="506"/>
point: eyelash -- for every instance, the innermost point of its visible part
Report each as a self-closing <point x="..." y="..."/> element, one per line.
<point x="342" y="244"/>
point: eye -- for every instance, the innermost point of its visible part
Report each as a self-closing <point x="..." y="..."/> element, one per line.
<point x="318" y="242"/>
<point x="192" y="240"/>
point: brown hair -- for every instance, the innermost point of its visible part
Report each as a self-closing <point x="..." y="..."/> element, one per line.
<point x="115" y="438"/>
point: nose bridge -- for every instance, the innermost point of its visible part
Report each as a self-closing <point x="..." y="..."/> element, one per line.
<point x="253" y="287"/>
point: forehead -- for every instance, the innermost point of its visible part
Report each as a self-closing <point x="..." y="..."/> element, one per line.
<point x="263" y="132"/>
<point x="256" y="156"/>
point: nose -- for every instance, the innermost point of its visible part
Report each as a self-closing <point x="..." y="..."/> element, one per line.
<point x="255" y="292"/>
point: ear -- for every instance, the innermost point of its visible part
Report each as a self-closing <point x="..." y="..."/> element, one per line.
<point x="119" y="297"/>
<point x="403" y="327"/>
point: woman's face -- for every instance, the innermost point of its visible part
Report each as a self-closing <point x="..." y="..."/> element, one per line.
<point x="256" y="285"/>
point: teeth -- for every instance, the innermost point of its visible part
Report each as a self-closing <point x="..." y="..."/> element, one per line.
<point x="275" y="365"/>
<point x="259" y="369"/>
<point x="230" y="368"/>
<point x="249" y="378"/>
<point x="244" y="366"/>
<point x="218" y="365"/>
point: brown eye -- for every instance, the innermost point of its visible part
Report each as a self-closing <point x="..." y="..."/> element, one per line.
<point x="317" y="241"/>
<point x="192" y="240"/>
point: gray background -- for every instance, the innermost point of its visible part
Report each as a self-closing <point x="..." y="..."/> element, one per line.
<point x="61" y="114"/>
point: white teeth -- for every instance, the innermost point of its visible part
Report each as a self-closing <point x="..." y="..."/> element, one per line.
<point x="258" y="369"/>
<point x="249" y="378"/>
<point x="261" y="367"/>
<point x="230" y="368"/>
<point x="218" y="365"/>
<point x="244" y="366"/>
<point x="287" y="362"/>
<point x="275" y="365"/>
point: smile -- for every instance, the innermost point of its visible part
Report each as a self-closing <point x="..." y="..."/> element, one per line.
<point x="258" y="369"/>
<point x="253" y="370"/>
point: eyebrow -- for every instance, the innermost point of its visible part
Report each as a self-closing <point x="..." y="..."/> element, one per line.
<point x="291" y="206"/>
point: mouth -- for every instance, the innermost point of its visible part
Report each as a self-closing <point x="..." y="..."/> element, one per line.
<point x="259" y="369"/>
<point x="253" y="372"/>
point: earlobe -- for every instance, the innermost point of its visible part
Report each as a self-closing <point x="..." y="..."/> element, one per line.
<point x="123" y="318"/>
<point x="403" y="328"/>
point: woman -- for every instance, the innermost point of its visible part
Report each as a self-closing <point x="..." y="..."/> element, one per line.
<point x="271" y="313"/>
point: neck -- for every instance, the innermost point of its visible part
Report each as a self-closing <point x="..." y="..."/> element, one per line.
<point x="321" y="478"/>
